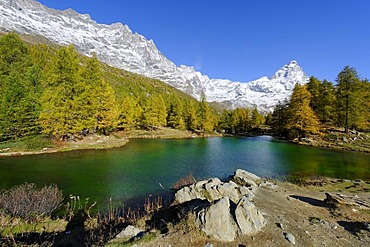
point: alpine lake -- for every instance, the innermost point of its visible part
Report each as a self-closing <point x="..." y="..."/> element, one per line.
<point x="145" y="167"/>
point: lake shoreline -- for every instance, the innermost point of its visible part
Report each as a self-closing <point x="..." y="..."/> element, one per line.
<point x="301" y="209"/>
<point x="121" y="138"/>
<point x="319" y="142"/>
<point x="114" y="140"/>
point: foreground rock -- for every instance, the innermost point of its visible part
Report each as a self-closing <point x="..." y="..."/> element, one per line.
<point x="231" y="212"/>
<point x="249" y="219"/>
<point x="212" y="190"/>
<point x="130" y="232"/>
<point x="245" y="178"/>
<point x="216" y="221"/>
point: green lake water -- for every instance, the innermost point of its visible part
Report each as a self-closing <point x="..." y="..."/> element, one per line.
<point x="137" y="169"/>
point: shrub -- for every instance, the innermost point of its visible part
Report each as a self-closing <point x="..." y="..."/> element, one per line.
<point x="29" y="203"/>
<point x="185" y="181"/>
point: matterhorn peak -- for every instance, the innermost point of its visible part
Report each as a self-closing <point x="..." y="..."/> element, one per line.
<point x="289" y="75"/>
<point x="292" y="63"/>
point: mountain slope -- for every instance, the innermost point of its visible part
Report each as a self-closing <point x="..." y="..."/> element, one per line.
<point x="116" y="45"/>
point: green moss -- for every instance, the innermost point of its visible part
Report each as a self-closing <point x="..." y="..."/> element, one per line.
<point x="47" y="225"/>
<point x="32" y="143"/>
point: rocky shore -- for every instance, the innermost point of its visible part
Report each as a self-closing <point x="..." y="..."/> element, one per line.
<point x="247" y="210"/>
<point x="335" y="139"/>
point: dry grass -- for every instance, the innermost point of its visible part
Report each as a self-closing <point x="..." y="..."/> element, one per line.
<point x="315" y="180"/>
<point x="185" y="181"/>
<point x="29" y="203"/>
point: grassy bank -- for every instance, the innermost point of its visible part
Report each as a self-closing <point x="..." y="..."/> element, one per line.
<point x="42" y="144"/>
<point x="337" y="139"/>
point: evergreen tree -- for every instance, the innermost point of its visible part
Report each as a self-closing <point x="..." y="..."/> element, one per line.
<point x="326" y="100"/>
<point x="268" y="119"/>
<point x="347" y="98"/>
<point x="301" y="118"/>
<point x="225" y="123"/>
<point x="175" y="115"/>
<point x="280" y="118"/>
<point x="322" y="99"/>
<point x="313" y="86"/>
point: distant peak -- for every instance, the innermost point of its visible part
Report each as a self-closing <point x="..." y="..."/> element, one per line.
<point x="289" y="75"/>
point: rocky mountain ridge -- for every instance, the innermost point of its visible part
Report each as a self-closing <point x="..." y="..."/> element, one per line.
<point x="118" y="46"/>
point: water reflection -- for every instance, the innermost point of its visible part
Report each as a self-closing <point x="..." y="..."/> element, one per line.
<point x="138" y="168"/>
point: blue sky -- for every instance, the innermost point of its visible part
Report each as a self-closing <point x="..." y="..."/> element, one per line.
<point x="243" y="40"/>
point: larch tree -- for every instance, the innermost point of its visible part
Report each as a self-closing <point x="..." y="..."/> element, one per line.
<point x="205" y="116"/>
<point x="190" y="112"/>
<point x="129" y="109"/>
<point x="155" y="113"/>
<point x="59" y="116"/>
<point x="96" y="99"/>
<point x="107" y="113"/>
<point x="18" y="98"/>
<point x="175" y="114"/>
<point x="301" y="120"/>
<point x="257" y="118"/>
<point x="363" y="116"/>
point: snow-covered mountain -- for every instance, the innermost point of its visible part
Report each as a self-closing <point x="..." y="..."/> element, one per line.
<point x="116" y="45"/>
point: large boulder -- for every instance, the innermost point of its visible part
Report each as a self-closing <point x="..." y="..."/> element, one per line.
<point x="234" y="191"/>
<point x="216" y="218"/>
<point x="212" y="190"/>
<point x="203" y="190"/>
<point x="217" y="222"/>
<point x="249" y="219"/>
<point x="245" y="178"/>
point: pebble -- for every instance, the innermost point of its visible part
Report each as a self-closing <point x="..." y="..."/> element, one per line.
<point x="289" y="237"/>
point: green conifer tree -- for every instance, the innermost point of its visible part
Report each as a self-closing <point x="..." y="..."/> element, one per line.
<point x="347" y="98"/>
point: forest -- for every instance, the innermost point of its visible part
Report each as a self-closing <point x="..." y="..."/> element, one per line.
<point x="321" y="104"/>
<point x="61" y="94"/>
<point x="58" y="93"/>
